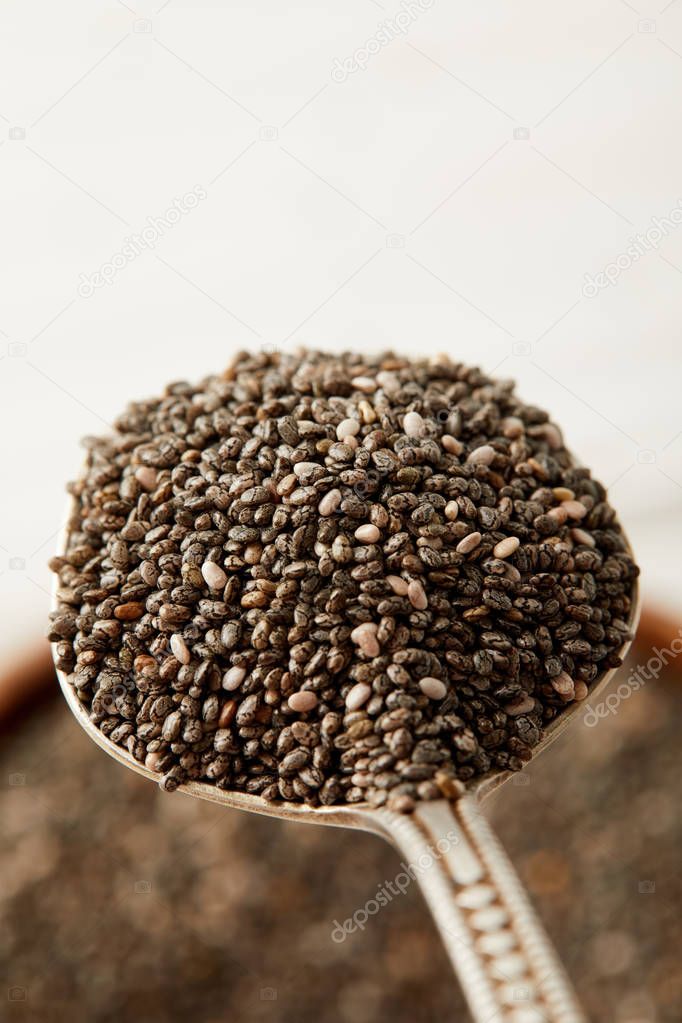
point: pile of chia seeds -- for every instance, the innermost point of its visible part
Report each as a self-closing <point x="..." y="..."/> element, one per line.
<point x="339" y="579"/>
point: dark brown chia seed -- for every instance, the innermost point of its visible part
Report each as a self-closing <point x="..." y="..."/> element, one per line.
<point x="246" y="554"/>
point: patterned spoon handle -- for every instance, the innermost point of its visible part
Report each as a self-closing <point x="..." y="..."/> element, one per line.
<point x="506" y="966"/>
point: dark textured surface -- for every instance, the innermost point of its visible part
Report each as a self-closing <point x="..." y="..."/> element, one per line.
<point x="119" y="902"/>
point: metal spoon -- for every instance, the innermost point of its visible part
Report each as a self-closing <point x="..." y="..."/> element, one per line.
<point x="505" y="964"/>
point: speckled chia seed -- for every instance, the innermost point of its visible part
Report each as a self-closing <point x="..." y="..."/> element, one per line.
<point x="336" y="579"/>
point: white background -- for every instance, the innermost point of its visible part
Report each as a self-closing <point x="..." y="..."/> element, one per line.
<point x="451" y="196"/>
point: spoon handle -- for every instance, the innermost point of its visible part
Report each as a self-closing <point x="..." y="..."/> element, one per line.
<point x="505" y="963"/>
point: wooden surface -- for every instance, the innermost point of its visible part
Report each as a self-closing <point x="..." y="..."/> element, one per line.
<point x="26" y="681"/>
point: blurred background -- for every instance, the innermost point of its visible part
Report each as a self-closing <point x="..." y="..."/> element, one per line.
<point x="500" y="182"/>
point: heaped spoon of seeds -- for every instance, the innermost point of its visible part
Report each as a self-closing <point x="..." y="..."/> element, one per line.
<point x="375" y="558"/>
<point x="505" y="963"/>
